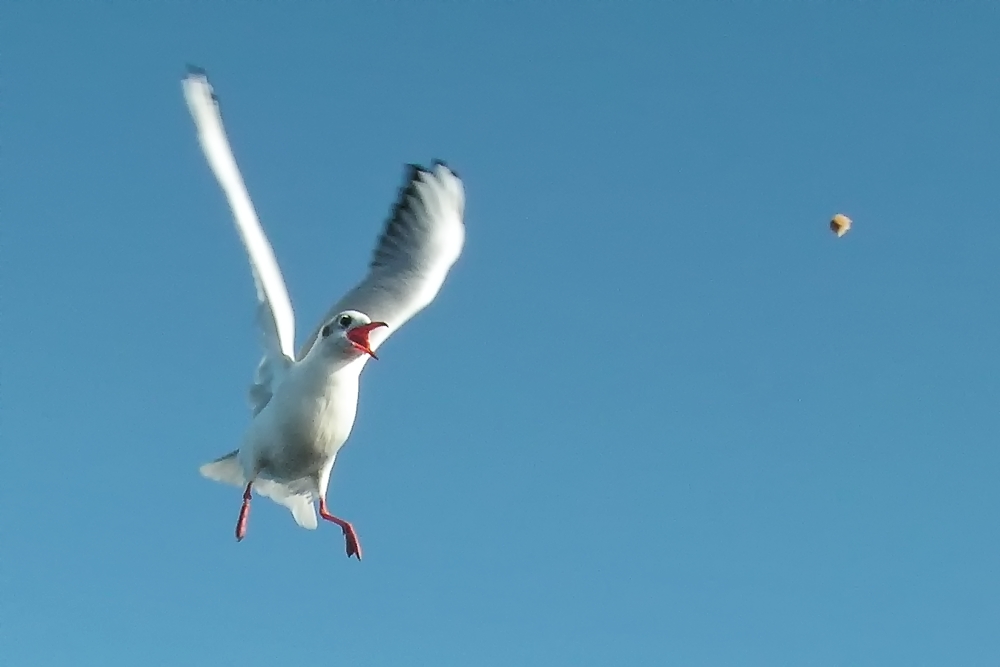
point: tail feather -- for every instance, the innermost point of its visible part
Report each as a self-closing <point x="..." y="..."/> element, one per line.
<point x="300" y="504"/>
<point x="228" y="470"/>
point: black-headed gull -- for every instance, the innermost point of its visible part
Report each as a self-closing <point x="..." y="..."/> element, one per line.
<point x="304" y="406"/>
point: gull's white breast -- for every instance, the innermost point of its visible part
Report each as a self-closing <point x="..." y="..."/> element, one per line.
<point x="306" y="422"/>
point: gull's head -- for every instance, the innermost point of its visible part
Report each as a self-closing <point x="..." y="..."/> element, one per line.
<point x="348" y="333"/>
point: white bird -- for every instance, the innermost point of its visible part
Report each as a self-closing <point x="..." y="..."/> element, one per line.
<point x="304" y="407"/>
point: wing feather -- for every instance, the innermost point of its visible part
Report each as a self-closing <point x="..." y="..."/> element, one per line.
<point x="421" y="241"/>
<point x="274" y="308"/>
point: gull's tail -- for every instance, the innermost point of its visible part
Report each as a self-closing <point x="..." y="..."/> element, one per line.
<point x="229" y="471"/>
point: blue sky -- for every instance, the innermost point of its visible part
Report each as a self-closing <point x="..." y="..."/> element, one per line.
<point x="659" y="414"/>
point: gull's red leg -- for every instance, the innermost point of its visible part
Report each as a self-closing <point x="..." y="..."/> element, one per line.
<point x="353" y="546"/>
<point x="241" y="523"/>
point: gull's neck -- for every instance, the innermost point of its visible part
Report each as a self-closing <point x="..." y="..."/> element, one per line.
<point x="333" y="364"/>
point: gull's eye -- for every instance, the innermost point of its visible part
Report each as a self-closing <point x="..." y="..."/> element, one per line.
<point x="325" y="331"/>
<point x="345" y="321"/>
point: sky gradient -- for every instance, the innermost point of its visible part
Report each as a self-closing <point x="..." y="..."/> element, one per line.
<point x="658" y="415"/>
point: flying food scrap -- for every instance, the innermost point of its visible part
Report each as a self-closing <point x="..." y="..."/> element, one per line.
<point x="840" y="224"/>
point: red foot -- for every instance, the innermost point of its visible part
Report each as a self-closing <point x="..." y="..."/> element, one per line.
<point x="353" y="546"/>
<point x="241" y="523"/>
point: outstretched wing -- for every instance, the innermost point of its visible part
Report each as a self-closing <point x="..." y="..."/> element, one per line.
<point x="422" y="239"/>
<point x="274" y="308"/>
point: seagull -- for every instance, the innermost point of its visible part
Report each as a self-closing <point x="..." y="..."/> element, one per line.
<point x="304" y="406"/>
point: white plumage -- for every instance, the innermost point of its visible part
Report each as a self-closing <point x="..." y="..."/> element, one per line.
<point x="304" y="407"/>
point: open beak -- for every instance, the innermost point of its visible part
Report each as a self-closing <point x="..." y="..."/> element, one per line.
<point x="359" y="336"/>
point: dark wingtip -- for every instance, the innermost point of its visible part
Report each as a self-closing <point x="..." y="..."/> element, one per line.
<point x="437" y="162"/>
<point x="407" y="197"/>
<point x="412" y="177"/>
<point x="412" y="170"/>
<point x="195" y="71"/>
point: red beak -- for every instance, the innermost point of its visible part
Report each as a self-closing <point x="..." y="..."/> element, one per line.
<point x="359" y="336"/>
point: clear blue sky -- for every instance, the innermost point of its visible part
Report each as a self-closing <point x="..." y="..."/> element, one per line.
<point x="659" y="414"/>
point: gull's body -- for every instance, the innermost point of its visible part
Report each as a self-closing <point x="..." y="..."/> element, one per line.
<point x="304" y="406"/>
